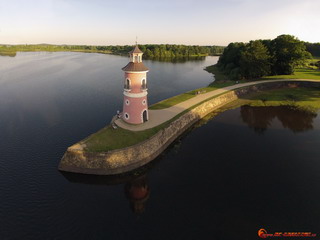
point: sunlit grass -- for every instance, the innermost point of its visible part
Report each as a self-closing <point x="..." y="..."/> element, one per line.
<point x="305" y="98"/>
<point x="300" y="73"/>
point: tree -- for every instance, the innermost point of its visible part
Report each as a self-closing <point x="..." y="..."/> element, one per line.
<point x="263" y="57"/>
<point x="229" y="62"/>
<point x="288" y="53"/>
<point x="255" y="60"/>
<point x="149" y="54"/>
<point x="313" y="48"/>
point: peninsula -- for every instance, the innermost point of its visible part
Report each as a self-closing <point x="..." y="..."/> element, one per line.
<point x="139" y="134"/>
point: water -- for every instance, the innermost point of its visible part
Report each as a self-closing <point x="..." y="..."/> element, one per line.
<point x="246" y="169"/>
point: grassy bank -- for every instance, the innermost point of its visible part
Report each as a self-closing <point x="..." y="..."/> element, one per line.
<point x="218" y="75"/>
<point x="301" y="98"/>
<point x="300" y="73"/>
<point x="110" y="139"/>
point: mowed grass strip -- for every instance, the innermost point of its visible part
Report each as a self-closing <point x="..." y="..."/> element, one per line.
<point x="307" y="98"/>
<point x="300" y="73"/>
<point x="302" y="98"/>
<point x="185" y="96"/>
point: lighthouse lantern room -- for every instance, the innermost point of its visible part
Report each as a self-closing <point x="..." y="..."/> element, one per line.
<point x="135" y="104"/>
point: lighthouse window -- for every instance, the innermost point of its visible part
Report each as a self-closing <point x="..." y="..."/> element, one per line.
<point x="136" y="58"/>
<point x="144" y="85"/>
<point x="126" y="115"/>
<point x="127" y="84"/>
<point x="127" y="102"/>
<point x="144" y="102"/>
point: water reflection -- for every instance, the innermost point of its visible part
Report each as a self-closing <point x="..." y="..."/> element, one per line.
<point x="136" y="188"/>
<point x="261" y="118"/>
<point x="137" y="192"/>
<point x="8" y="54"/>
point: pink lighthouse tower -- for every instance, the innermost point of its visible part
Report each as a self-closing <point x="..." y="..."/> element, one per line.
<point x="135" y="104"/>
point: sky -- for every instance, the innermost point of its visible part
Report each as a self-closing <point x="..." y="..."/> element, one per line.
<point x="190" y="22"/>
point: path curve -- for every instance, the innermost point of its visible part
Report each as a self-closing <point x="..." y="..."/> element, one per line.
<point x="157" y="117"/>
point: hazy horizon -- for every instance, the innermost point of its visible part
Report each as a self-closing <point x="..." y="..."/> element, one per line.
<point x="189" y="22"/>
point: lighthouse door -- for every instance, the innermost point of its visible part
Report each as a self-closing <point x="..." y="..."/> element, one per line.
<point x="145" y="117"/>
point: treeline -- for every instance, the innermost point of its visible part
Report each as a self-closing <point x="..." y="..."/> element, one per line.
<point x="150" y="50"/>
<point x="258" y="58"/>
<point x="313" y="48"/>
<point x="172" y="51"/>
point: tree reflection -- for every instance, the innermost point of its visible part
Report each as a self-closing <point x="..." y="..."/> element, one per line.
<point x="260" y="118"/>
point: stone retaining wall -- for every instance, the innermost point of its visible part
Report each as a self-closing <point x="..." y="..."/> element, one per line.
<point x="130" y="158"/>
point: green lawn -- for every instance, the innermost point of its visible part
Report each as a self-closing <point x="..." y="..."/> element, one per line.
<point x="109" y="139"/>
<point x="302" y="73"/>
<point x="305" y="98"/>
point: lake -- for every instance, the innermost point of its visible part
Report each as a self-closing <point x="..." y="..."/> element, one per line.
<point x="245" y="169"/>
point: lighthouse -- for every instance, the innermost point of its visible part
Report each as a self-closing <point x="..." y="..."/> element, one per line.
<point x="135" y="103"/>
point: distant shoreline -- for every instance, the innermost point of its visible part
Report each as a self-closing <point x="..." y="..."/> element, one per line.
<point x="150" y="51"/>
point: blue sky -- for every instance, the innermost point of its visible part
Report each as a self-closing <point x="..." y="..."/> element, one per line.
<point x="118" y="22"/>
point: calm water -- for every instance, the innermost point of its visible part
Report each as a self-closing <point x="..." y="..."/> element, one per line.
<point x="246" y="169"/>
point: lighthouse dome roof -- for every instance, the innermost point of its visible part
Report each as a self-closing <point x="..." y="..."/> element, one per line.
<point x="136" y="50"/>
<point x="135" y="67"/>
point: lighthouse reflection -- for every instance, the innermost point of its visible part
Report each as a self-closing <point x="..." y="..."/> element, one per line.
<point x="136" y="188"/>
<point x="137" y="191"/>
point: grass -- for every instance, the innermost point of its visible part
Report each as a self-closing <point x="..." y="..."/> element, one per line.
<point x="302" y="98"/>
<point x="300" y="73"/>
<point x="109" y="139"/>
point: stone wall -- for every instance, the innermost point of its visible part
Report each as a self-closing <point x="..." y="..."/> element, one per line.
<point x="130" y="158"/>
